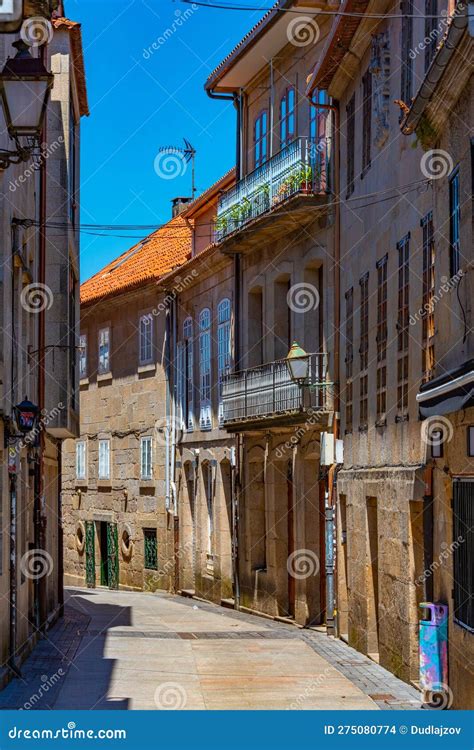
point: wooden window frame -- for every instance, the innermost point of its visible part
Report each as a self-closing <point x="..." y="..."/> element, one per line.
<point x="427" y="307"/>
<point x="454" y="223"/>
<point x="349" y="296"/>
<point x="364" y="353"/>
<point x="287" y="115"/>
<point x="260" y="139"/>
<point x="350" y="146"/>
<point x="146" y="466"/>
<point x="366" y="122"/>
<point x="403" y="312"/>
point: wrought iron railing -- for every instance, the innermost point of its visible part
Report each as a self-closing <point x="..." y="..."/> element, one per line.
<point x="304" y="166"/>
<point x="267" y="391"/>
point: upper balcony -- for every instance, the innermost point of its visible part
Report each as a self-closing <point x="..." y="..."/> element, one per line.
<point x="277" y="194"/>
<point x="266" y="395"/>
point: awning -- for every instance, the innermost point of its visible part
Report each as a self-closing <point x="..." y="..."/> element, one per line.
<point x="449" y="393"/>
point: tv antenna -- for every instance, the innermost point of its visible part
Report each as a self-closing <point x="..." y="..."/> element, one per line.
<point x="187" y="154"/>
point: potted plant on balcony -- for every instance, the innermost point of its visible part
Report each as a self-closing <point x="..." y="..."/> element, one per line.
<point x="235" y="215"/>
<point x="221" y="224"/>
<point x="245" y="209"/>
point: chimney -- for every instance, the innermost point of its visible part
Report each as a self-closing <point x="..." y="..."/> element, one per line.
<point x="178" y="205"/>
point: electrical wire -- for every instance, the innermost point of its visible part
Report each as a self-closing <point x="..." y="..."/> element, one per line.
<point x="347" y="14"/>
<point x="101" y="228"/>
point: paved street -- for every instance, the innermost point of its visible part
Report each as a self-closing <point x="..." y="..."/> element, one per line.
<point x="120" y="650"/>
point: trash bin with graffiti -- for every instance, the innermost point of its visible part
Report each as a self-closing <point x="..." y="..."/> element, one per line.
<point x="434" y="651"/>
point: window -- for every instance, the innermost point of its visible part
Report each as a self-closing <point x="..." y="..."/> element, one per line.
<point x="81" y="460"/>
<point x="427" y="321"/>
<point x="350" y="145"/>
<point x="406" y="91"/>
<point x="146" y="339"/>
<point x="188" y="364"/>
<point x="470" y="441"/>
<point x="104" y="351"/>
<point x="287" y="117"/>
<point x="366" y="120"/>
<point x="382" y="339"/>
<point x="463" y="552"/>
<point x="454" y="223"/>
<point x="364" y="351"/>
<point x="403" y="248"/>
<point x="261" y="139"/>
<point x="104" y="459"/>
<point x="146" y="458"/>
<point x="431" y="33"/>
<point x="223" y="347"/>
<point x="205" y="369"/>
<point x="318" y="118"/>
<point x="151" y="549"/>
<point x="209" y="492"/>
<point x="82" y="356"/>
<point x="349" y="356"/>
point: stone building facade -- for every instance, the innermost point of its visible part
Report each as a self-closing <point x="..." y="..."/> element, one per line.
<point x="119" y="520"/>
<point x="396" y="241"/>
<point x="277" y="226"/>
<point x="202" y="468"/>
<point x="39" y="314"/>
<point x="441" y="116"/>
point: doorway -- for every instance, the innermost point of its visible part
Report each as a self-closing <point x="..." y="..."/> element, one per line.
<point x="104" y="554"/>
<point x="373" y="579"/>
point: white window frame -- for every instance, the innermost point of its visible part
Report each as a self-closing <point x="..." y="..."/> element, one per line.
<point x="105" y="368"/>
<point x="103" y="469"/>
<point x="81" y="460"/>
<point x="224" y="346"/>
<point x="205" y="369"/>
<point x="181" y="382"/>
<point x="83" y="356"/>
<point x="145" y="339"/>
<point x="188" y="394"/>
<point x="146" y="458"/>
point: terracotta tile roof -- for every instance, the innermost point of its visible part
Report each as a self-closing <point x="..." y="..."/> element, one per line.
<point x="270" y="16"/>
<point x="77" y="58"/>
<point x="145" y="262"/>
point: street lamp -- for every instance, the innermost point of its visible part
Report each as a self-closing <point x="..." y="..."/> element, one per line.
<point x="26" y="416"/>
<point x="25" y="86"/>
<point x="297" y="362"/>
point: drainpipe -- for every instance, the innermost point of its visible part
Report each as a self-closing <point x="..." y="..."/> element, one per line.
<point x="13" y="484"/>
<point x="174" y="313"/>
<point x="331" y="488"/>
<point x="237" y="100"/>
<point x="39" y="540"/>
<point x="168" y="409"/>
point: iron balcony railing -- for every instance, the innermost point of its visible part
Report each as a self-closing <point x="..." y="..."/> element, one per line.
<point x="267" y="391"/>
<point x="304" y="166"/>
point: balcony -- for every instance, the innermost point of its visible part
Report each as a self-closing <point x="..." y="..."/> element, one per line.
<point x="268" y="394"/>
<point x="299" y="174"/>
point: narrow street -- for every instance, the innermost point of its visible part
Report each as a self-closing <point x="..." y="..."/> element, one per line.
<point x="120" y="650"/>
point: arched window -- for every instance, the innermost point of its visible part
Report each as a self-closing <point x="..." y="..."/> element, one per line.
<point x="260" y="137"/>
<point x="223" y="346"/>
<point x="205" y="419"/>
<point x="287" y="117"/>
<point x="186" y="374"/>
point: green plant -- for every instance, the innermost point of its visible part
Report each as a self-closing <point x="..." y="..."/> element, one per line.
<point x="221" y="223"/>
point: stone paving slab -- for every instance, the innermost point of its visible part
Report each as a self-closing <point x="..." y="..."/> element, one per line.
<point x="124" y="650"/>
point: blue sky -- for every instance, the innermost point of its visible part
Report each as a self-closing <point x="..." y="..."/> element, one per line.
<point x="142" y="101"/>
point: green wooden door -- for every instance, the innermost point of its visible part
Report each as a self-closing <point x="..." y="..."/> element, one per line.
<point x="112" y="555"/>
<point x="90" y="554"/>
